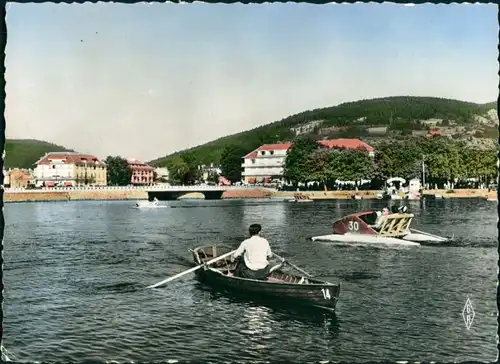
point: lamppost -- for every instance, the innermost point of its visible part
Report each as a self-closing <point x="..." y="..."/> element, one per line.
<point x="423" y="172"/>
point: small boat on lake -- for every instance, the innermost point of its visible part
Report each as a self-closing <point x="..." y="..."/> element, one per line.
<point x="491" y="198"/>
<point x="148" y="204"/>
<point x="359" y="228"/>
<point x="285" y="287"/>
<point x="300" y="197"/>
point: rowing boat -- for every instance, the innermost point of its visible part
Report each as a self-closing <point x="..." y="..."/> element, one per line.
<point x="300" y="197"/>
<point x="287" y="288"/>
<point x="359" y="228"/>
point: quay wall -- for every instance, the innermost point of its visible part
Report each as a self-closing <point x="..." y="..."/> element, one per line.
<point x="111" y="193"/>
<point x="140" y="193"/>
<point x="329" y="195"/>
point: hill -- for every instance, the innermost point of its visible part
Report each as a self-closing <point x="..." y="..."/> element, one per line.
<point x="23" y="153"/>
<point x="371" y="120"/>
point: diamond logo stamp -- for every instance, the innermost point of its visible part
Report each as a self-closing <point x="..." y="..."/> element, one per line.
<point x="468" y="313"/>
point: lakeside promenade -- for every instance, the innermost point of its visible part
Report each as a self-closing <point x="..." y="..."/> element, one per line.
<point x="140" y="193"/>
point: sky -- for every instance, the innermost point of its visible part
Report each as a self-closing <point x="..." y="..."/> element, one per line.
<point x="145" y="80"/>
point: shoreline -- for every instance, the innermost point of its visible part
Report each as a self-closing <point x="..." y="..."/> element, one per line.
<point x="372" y="194"/>
<point x="124" y="194"/>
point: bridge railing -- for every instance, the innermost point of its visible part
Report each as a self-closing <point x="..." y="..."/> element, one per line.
<point x="130" y="188"/>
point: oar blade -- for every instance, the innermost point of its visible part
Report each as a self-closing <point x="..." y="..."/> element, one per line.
<point x="190" y="270"/>
<point x="175" y="276"/>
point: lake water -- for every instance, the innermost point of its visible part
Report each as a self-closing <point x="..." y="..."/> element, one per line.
<point x="75" y="275"/>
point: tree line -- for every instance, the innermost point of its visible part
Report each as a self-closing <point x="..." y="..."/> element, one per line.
<point x="445" y="160"/>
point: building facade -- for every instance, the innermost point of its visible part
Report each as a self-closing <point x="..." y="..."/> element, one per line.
<point x="142" y="174"/>
<point x="18" y="178"/>
<point x="70" y="169"/>
<point x="209" y="171"/>
<point x="266" y="163"/>
<point x="162" y="174"/>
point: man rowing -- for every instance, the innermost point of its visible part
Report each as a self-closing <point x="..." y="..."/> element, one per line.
<point x="255" y="251"/>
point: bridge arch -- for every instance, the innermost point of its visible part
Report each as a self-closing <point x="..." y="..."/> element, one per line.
<point x="174" y="195"/>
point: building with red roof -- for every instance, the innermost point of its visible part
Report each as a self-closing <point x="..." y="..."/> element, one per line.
<point x="351" y="143"/>
<point x="18" y="178"/>
<point x="142" y="174"/>
<point x="70" y="169"/>
<point x="267" y="161"/>
<point x="433" y="132"/>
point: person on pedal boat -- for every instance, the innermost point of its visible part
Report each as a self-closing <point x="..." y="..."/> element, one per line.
<point x="381" y="217"/>
<point x="252" y="255"/>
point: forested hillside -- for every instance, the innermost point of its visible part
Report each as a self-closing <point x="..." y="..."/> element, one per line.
<point x="23" y="153"/>
<point x="371" y="120"/>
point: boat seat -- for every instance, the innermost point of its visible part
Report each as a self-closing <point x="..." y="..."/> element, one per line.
<point x="396" y="224"/>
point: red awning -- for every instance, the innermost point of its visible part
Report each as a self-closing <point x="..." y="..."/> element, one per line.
<point x="68" y="184"/>
<point x="49" y="184"/>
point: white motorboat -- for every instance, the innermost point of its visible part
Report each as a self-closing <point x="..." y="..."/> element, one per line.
<point x="149" y="204"/>
<point x="359" y="228"/>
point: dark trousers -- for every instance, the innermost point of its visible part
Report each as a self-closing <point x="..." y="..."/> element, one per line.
<point x="244" y="272"/>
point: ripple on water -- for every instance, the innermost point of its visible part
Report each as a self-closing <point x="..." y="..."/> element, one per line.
<point x="79" y="281"/>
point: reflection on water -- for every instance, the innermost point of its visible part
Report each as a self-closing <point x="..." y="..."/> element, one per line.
<point x="257" y="330"/>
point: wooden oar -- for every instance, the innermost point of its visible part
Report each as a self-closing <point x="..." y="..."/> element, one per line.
<point x="292" y="265"/>
<point x="191" y="270"/>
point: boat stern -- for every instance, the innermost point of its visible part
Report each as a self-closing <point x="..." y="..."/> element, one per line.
<point x="355" y="224"/>
<point x="328" y="297"/>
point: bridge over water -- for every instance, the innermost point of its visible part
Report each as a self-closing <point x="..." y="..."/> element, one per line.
<point x="168" y="193"/>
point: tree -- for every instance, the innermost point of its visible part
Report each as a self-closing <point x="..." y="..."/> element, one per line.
<point x="481" y="164"/>
<point x="319" y="166"/>
<point x="353" y="165"/>
<point x="183" y="170"/>
<point x="119" y="172"/>
<point x="213" y="177"/>
<point x="177" y="169"/>
<point x="297" y="159"/>
<point x="398" y="159"/>
<point x="230" y="162"/>
<point x="445" y="161"/>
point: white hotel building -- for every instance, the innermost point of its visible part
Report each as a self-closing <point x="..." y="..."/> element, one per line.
<point x="266" y="162"/>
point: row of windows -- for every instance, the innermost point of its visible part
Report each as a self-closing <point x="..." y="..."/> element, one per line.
<point x="274" y="161"/>
<point x="142" y="172"/>
<point x="263" y="152"/>
<point x="70" y="166"/>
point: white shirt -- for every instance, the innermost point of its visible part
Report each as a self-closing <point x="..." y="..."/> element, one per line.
<point x="380" y="221"/>
<point x="256" y="250"/>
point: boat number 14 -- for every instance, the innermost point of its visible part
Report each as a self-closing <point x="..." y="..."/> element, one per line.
<point x="326" y="293"/>
<point x="353" y="226"/>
